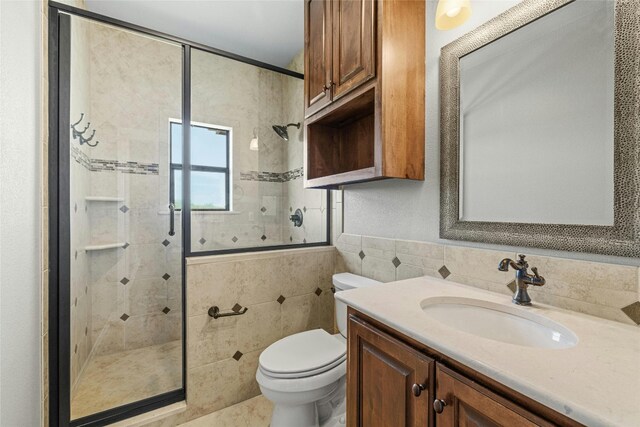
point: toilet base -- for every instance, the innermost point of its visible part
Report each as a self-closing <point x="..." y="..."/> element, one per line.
<point x="330" y="411"/>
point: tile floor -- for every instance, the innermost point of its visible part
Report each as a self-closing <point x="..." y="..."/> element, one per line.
<point x="255" y="412"/>
<point x="115" y="379"/>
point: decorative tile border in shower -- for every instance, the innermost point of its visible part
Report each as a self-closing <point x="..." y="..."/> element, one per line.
<point x="98" y="165"/>
<point x="272" y="176"/>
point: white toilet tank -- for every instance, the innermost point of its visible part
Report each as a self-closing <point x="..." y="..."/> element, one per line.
<point x="343" y="282"/>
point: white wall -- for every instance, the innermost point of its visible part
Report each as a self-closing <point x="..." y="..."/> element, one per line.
<point x="20" y="247"/>
<point x="410" y="210"/>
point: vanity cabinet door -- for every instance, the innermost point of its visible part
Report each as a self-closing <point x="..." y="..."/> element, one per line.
<point x="388" y="383"/>
<point x="354" y="46"/>
<point x="317" y="66"/>
<point x="462" y="402"/>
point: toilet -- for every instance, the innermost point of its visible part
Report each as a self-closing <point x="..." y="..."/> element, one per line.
<point x="304" y="375"/>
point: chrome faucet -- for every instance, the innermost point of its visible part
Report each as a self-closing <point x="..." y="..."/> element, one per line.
<point x="523" y="278"/>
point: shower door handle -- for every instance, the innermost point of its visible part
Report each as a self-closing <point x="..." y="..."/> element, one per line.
<point x="172" y="218"/>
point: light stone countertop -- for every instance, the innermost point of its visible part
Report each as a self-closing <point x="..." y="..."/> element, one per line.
<point x="596" y="383"/>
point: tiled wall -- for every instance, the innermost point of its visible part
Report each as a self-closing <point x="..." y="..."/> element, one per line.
<point x="286" y="292"/>
<point x="81" y="291"/>
<point x="609" y="291"/>
<point x="135" y="289"/>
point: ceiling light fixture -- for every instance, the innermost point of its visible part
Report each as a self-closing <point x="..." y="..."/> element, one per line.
<point x="452" y="13"/>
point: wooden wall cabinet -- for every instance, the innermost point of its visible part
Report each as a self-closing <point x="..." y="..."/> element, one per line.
<point x="364" y="91"/>
<point x="395" y="381"/>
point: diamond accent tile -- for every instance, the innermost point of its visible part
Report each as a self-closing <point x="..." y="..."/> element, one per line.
<point x="124" y="317"/>
<point x="633" y="312"/>
<point x="304" y="241"/>
<point x="202" y="240"/>
<point x="304" y="209"/>
<point x="124" y="208"/>
<point x="86" y="330"/>
<point x="263" y="238"/>
<point x="75" y="350"/>
<point x="166" y="243"/>
<point x="75" y="255"/>
<point x="291" y="238"/>
<point x="512" y="286"/>
<point x="263" y="209"/>
<point x="166" y="276"/>
<point x="361" y="255"/>
<point x="234" y="239"/>
<point x="396" y="262"/>
<point x="236" y="308"/>
<point x="166" y="310"/>
<point x="237" y="355"/>
<point x="281" y="299"/>
<point x="444" y="272"/>
<point x="126" y="245"/>
<point x="318" y="291"/>
<point x="124" y="280"/>
<point x="75" y="302"/>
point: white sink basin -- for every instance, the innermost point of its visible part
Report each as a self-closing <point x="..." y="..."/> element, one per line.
<point x="497" y="322"/>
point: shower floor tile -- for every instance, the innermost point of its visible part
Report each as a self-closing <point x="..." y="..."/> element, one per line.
<point x="116" y="379"/>
<point x="254" y="412"/>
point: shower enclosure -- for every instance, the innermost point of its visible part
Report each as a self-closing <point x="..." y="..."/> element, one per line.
<point x="134" y="192"/>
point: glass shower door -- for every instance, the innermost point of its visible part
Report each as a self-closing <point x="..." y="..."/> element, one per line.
<point x="126" y="259"/>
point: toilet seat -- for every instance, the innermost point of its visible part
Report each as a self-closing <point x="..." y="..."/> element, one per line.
<point x="303" y="355"/>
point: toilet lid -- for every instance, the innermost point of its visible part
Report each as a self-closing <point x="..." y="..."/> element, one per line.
<point x="310" y="352"/>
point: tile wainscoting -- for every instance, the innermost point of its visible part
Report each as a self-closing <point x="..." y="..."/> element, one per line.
<point x="608" y="291"/>
<point x="286" y="292"/>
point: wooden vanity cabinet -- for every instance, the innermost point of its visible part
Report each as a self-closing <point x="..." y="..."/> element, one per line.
<point x="383" y="366"/>
<point x="389" y="383"/>
<point x="364" y="91"/>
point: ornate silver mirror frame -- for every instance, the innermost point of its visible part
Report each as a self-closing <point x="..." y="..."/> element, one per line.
<point x="623" y="238"/>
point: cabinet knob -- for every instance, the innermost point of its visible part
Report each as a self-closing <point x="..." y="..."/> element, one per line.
<point x="438" y="405"/>
<point x="417" y="389"/>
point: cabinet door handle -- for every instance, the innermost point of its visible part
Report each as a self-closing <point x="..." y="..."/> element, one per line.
<point x="417" y="389"/>
<point x="438" y="405"/>
<point x="328" y="87"/>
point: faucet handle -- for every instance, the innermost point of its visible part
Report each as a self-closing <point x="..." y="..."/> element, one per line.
<point x="523" y="263"/>
<point x="535" y="272"/>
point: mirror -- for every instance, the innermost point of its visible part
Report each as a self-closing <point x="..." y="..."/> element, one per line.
<point x="538" y="129"/>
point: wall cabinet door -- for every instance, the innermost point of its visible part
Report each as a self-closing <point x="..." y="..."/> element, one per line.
<point x="389" y="383"/>
<point x="464" y="403"/>
<point x="317" y="67"/>
<point x="354" y="46"/>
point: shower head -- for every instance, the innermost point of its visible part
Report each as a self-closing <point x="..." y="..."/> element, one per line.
<point x="281" y="130"/>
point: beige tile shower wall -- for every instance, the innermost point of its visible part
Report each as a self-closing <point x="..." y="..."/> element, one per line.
<point x="311" y="202"/>
<point x="81" y="291"/>
<point x="609" y="291"/>
<point x="249" y="100"/>
<point x="135" y="290"/>
<point x="285" y="291"/>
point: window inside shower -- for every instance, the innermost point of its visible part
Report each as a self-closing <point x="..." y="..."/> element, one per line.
<point x="210" y="167"/>
<point x="137" y="195"/>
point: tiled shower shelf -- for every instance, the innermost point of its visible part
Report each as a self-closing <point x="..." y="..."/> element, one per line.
<point x="103" y="199"/>
<point x="92" y="248"/>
